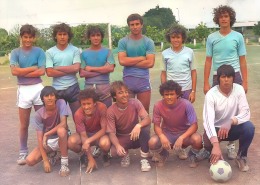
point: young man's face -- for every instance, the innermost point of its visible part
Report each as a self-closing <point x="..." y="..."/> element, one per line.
<point x="88" y="106"/>
<point x="226" y="83"/>
<point x="62" y="38"/>
<point x="224" y="20"/>
<point x="170" y="97"/>
<point x="176" y="41"/>
<point x="95" y="39"/>
<point x="122" y="95"/>
<point x="27" y="40"/>
<point x="135" y="27"/>
<point x="49" y="100"/>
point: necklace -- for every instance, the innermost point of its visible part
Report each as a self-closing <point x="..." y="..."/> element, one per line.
<point x="122" y="109"/>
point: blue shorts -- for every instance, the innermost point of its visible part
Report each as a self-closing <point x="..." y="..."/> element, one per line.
<point x="103" y="90"/>
<point x="137" y="85"/>
<point x="70" y="94"/>
<point x="172" y="137"/>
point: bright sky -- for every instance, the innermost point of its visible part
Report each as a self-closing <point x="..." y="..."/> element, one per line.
<point x="45" y="12"/>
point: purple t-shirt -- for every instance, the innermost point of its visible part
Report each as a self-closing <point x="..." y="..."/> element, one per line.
<point x="23" y="59"/>
<point x="123" y="121"/>
<point x="91" y="124"/>
<point x="45" y="122"/>
<point x="175" y="118"/>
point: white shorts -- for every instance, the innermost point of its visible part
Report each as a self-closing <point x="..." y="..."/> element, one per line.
<point x="29" y="95"/>
<point x="53" y="144"/>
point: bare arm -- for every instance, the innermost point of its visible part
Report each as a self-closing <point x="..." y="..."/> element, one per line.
<point x="163" y="77"/>
<point x="129" y="61"/>
<point x="17" y="71"/>
<point x="51" y="72"/>
<point x="192" y="95"/>
<point x="63" y="123"/>
<point x="243" y="68"/>
<point x="36" y="73"/>
<point x="46" y="164"/>
<point x="74" y="68"/>
<point x="164" y="140"/>
<point x="147" y="63"/>
<point x="83" y="73"/>
<point x="107" y="68"/>
<point x="207" y="69"/>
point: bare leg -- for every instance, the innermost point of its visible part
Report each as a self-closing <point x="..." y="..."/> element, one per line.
<point x="74" y="143"/>
<point x="24" y="116"/>
<point x="74" y="107"/>
<point x="145" y="98"/>
<point x="34" y="157"/>
<point x="63" y="141"/>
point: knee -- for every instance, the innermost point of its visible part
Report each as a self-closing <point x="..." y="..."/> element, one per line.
<point x="104" y="142"/>
<point x="249" y="128"/>
<point x="196" y="138"/>
<point x="72" y="141"/>
<point x="30" y="162"/>
<point x="153" y="142"/>
<point x="62" y="132"/>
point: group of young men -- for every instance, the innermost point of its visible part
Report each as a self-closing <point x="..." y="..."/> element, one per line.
<point x="117" y="127"/>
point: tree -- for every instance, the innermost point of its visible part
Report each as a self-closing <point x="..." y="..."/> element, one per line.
<point x="256" y="28"/>
<point x="160" y="18"/>
<point x="118" y="33"/>
<point x="155" y="34"/>
<point x="200" y="33"/>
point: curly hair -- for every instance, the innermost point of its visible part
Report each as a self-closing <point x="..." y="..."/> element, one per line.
<point x="93" y="29"/>
<point x="61" y="28"/>
<point x="224" y="9"/>
<point x="170" y="85"/>
<point x="29" y="29"/>
<point x="175" y="30"/>
<point x="115" y="86"/>
<point x="134" y="17"/>
<point x="88" y="93"/>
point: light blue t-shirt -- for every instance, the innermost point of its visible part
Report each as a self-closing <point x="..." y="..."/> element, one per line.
<point x="135" y="48"/>
<point x="24" y="59"/>
<point x="225" y="49"/>
<point x="178" y="66"/>
<point x="66" y="57"/>
<point x="97" y="58"/>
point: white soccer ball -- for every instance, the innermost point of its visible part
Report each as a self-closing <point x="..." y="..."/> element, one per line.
<point x="221" y="171"/>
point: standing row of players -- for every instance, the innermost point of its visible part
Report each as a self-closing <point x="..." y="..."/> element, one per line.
<point x="137" y="55"/>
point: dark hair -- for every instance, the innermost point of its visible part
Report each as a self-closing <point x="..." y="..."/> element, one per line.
<point x="176" y="29"/>
<point x="224" y="9"/>
<point x="61" y="28"/>
<point x="226" y="70"/>
<point x="115" y="86"/>
<point x="170" y="85"/>
<point x="88" y="93"/>
<point x="134" y="17"/>
<point x="47" y="90"/>
<point x="93" y="30"/>
<point x="29" y="29"/>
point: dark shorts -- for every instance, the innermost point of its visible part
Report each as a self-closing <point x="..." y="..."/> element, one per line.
<point x="70" y="94"/>
<point x="103" y="90"/>
<point x="137" y="85"/>
<point x="237" y="80"/>
<point x="172" y="137"/>
<point x="186" y="94"/>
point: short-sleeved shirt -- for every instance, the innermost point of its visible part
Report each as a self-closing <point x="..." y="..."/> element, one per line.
<point x="45" y="122"/>
<point x="225" y="49"/>
<point x="175" y="118"/>
<point x="24" y="59"/>
<point x="56" y="57"/>
<point x="178" y="66"/>
<point x="91" y="124"/>
<point x="136" y="48"/>
<point x="123" y="121"/>
<point x="97" y="58"/>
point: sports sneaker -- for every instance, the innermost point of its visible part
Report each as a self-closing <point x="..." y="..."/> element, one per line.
<point x="155" y="158"/>
<point x="125" y="162"/>
<point x="145" y="166"/>
<point x="203" y="154"/>
<point x="52" y="156"/>
<point x="242" y="164"/>
<point x="22" y="158"/>
<point x="182" y="154"/>
<point x="106" y="160"/>
<point x="64" y="170"/>
<point x="193" y="159"/>
<point x="96" y="152"/>
<point x="231" y="151"/>
<point x="162" y="158"/>
<point x="83" y="160"/>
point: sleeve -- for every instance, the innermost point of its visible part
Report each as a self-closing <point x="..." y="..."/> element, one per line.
<point x="49" y="61"/>
<point x="110" y="57"/>
<point x="14" y="60"/>
<point x="41" y="59"/>
<point x="79" y="122"/>
<point x="83" y="62"/>
<point x="63" y="108"/>
<point x="122" y="45"/>
<point x="241" y="46"/>
<point x="243" y="108"/>
<point x="191" y="114"/>
<point x="163" y="66"/>
<point x="76" y="58"/>
<point x="193" y="61"/>
<point x="38" y="124"/>
<point x="156" y="115"/>
<point x="103" y="113"/>
<point x="209" y="116"/>
<point x="111" y="122"/>
<point x="150" y="47"/>
<point x="209" y="47"/>
<point x="140" y="109"/>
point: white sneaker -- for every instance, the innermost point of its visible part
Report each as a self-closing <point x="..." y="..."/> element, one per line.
<point x="22" y="158"/>
<point x="145" y="166"/>
<point x="231" y="151"/>
<point x="125" y="162"/>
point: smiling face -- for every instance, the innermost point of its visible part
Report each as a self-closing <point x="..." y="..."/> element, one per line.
<point x="176" y="41"/>
<point x="170" y="97"/>
<point x="27" y="40"/>
<point x="88" y="106"/>
<point x="49" y="100"/>
<point x="122" y="96"/>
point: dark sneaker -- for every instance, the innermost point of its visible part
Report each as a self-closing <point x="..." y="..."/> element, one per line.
<point x="83" y="160"/>
<point x="125" y="162"/>
<point x="52" y="156"/>
<point x="162" y="158"/>
<point x="193" y="159"/>
<point x="96" y="152"/>
<point x="203" y="154"/>
<point x="106" y="160"/>
<point x="242" y="164"/>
